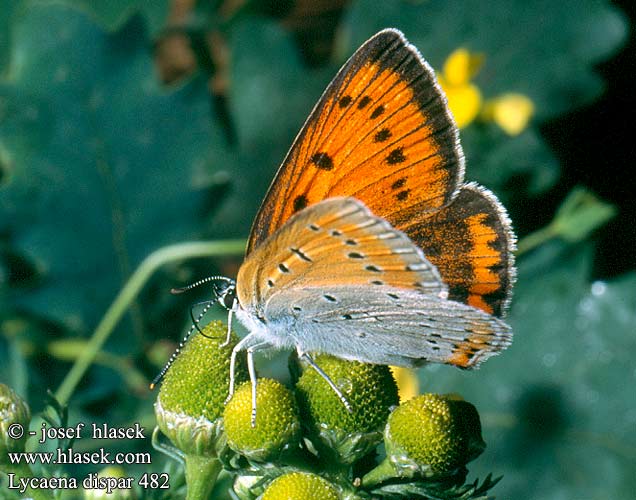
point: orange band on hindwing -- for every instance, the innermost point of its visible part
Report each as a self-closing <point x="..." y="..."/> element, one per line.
<point x="471" y="244"/>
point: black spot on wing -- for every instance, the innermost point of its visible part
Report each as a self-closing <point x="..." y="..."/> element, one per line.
<point x="345" y="101"/>
<point x="322" y="161"/>
<point x="301" y="254"/>
<point x="377" y="112"/>
<point x="403" y="195"/>
<point x="396" y="156"/>
<point x="300" y="202"/>
<point x="364" y="102"/>
<point x="382" y="135"/>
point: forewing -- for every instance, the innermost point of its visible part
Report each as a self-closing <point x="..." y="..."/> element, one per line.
<point x="387" y="325"/>
<point x="381" y="133"/>
<point x="332" y="242"/>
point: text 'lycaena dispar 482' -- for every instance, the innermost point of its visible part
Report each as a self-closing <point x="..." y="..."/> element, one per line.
<point x="369" y="245"/>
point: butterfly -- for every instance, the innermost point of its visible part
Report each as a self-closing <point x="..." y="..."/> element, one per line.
<point x="369" y="245"/>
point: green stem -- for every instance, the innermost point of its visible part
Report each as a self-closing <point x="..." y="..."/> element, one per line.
<point x="24" y="471"/>
<point x="127" y="295"/>
<point x="535" y="239"/>
<point x="200" y="473"/>
<point x="385" y="470"/>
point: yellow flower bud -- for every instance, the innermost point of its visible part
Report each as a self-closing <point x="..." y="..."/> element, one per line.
<point x="464" y="101"/>
<point x="461" y="66"/>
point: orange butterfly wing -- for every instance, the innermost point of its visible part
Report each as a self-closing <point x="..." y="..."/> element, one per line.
<point x="382" y="133"/>
<point x="472" y="245"/>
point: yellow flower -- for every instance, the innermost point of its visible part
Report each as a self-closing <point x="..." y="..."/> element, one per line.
<point x="464" y="97"/>
<point x="510" y="111"/>
<point x="406" y="379"/>
<point x="461" y="67"/>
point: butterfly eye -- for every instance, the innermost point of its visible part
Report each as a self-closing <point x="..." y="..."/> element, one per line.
<point x="227" y="297"/>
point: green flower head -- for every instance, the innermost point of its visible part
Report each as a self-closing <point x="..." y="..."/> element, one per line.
<point x="370" y="390"/>
<point x="193" y="392"/>
<point x="300" y="486"/>
<point x="277" y="424"/>
<point x="346" y="435"/>
<point x="438" y="433"/>
<point x="429" y="436"/>
<point x="13" y="412"/>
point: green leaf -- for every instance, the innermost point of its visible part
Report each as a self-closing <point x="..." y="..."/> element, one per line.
<point x="105" y="165"/>
<point x="112" y="15"/>
<point x="580" y="214"/>
<point x="559" y="406"/>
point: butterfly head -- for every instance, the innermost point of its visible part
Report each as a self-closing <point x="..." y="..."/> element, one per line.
<point x="224" y="292"/>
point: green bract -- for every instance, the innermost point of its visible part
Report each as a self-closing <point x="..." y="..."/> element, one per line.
<point x="277" y="422"/>
<point x="300" y="486"/>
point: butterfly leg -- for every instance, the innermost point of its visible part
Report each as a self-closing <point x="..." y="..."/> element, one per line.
<point x="230" y="314"/>
<point x="304" y="356"/>
<point x="252" y="371"/>
<point x="250" y="344"/>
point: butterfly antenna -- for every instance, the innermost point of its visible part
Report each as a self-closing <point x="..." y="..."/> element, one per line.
<point x="203" y="281"/>
<point x="195" y="321"/>
<point x="195" y="324"/>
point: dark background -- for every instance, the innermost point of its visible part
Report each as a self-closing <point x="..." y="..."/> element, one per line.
<point x="596" y="147"/>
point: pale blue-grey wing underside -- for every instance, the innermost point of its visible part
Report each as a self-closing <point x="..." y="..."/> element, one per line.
<point x="386" y="325"/>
